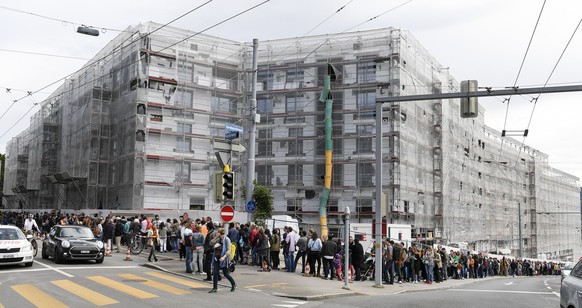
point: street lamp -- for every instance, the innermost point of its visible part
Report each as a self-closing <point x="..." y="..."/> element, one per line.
<point x="87" y="31"/>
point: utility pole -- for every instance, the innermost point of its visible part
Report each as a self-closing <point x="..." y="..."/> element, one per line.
<point x="380" y="100"/>
<point x="252" y="127"/>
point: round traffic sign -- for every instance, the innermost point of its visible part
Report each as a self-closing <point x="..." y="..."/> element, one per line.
<point x="251" y="206"/>
<point x="227" y="213"/>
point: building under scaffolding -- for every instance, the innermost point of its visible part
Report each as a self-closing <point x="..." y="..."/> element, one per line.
<point x="138" y="128"/>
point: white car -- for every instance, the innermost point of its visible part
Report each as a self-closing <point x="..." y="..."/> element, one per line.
<point x="571" y="289"/>
<point x="14" y="247"/>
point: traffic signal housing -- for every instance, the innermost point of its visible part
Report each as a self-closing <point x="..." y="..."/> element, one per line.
<point x="228" y="185"/>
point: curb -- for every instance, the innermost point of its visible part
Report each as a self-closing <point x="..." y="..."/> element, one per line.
<point x="161" y="269"/>
<point x="317" y="297"/>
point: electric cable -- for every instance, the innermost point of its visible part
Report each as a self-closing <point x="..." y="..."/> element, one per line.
<point x="43" y="54"/>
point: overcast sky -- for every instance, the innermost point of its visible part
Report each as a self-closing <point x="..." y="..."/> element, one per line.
<point x="485" y="40"/>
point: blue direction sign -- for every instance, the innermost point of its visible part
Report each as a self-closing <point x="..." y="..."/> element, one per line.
<point x="251" y="206"/>
<point x="232" y="131"/>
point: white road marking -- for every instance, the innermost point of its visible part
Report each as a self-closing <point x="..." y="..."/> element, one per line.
<point x="100" y="267"/>
<point x="556" y="293"/>
<point x="54" y="269"/>
<point x="285" y="306"/>
<point x="294" y="302"/>
<point x="549" y="287"/>
<point x="546" y="282"/>
<point x="509" y="283"/>
<point x="501" y="291"/>
<point x="256" y="290"/>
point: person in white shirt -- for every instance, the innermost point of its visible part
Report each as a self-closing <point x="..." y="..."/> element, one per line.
<point x="29" y="223"/>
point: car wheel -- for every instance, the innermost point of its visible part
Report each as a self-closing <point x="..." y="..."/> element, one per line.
<point x="29" y="264"/>
<point x="43" y="253"/>
<point x="58" y="257"/>
<point x="99" y="261"/>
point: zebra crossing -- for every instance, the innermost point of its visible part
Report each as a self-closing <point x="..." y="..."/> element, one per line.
<point x="115" y="289"/>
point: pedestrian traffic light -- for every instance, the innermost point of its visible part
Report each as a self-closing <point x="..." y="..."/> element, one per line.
<point x="228" y="184"/>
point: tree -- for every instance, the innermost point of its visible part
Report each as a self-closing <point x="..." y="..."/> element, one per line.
<point x="264" y="199"/>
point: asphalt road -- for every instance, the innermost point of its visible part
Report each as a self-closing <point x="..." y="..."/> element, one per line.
<point x="526" y="292"/>
<point x="119" y="283"/>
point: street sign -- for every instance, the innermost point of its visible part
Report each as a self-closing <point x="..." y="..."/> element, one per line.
<point x="251" y="206"/>
<point x="227" y="213"/>
<point x="230" y="135"/>
<point x="233" y="128"/>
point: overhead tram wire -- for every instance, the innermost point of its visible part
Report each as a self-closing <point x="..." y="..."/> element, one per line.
<point x="20" y="119"/>
<point x="56" y="19"/>
<point x="43" y="54"/>
<point x="208" y="28"/>
<point x="111" y="53"/>
<point x="312" y="29"/>
<point x="535" y="100"/>
<point x="364" y="22"/>
<point x="30" y="93"/>
<point x="519" y="71"/>
<point x="8" y="91"/>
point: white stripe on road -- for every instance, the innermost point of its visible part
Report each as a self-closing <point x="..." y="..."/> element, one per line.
<point x="65" y="268"/>
<point x="556" y="293"/>
<point x="501" y="291"/>
<point x="54" y="269"/>
<point x="256" y="290"/>
<point x="549" y="287"/>
<point x="296" y="303"/>
<point x="284" y="306"/>
<point x="100" y="267"/>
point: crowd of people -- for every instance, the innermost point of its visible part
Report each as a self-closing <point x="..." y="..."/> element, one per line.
<point x="208" y="248"/>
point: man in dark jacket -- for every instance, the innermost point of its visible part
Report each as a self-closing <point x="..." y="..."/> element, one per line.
<point x="108" y="232"/>
<point x="208" y="251"/>
<point x="118" y="233"/>
<point x="328" y="252"/>
<point x="357" y="257"/>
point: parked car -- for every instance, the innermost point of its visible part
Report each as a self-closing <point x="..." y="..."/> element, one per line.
<point x="14" y="247"/>
<point x="72" y="242"/>
<point x="566" y="269"/>
<point x="571" y="289"/>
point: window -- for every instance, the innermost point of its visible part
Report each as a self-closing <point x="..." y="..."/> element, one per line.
<point x="364" y="205"/>
<point x="223" y="104"/>
<point x="156" y="118"/>
<point x="295" y="174"/>
<point x="366" y="99"/>
<point x="295" y="144"/>
<point x="264" y="105"/>
<point x="366" y="72"/>
<point x="183" y="144"/>
<point x="182" y="172"/>
<point x="265" y="144"/>
<point x="293" y="104"/>
<point x="197" y="203"/>
<point x="364" y="141"/>
<point x="294" y="75"/>
<point x="264" y="174"/>
<point x="294" y="205"/>
<point x="266" y="79"/>
<point x="184" y="128"/>
<point x="183" y="98"/>
<point x="365" y="174"/>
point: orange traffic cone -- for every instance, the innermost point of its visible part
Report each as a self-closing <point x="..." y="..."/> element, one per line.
<point x="307" y="270"/>
<point x="265" y="266"/>
<point x="350" y="274"/>
<point x="128" y="255"/>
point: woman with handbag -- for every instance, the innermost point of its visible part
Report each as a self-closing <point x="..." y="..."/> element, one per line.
<point x="152" y="240"/>
<point x="221" y="259"/>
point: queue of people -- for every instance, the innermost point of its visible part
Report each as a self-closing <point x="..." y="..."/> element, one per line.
<point x="208" y="249"/>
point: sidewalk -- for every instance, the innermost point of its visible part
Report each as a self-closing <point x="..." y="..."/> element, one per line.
<point x="295" y="285"/>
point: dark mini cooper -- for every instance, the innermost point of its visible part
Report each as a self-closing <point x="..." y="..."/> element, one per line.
<point x="72" y="242"/>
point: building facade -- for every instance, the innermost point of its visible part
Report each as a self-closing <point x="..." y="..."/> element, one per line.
<point x="140" y="125"/>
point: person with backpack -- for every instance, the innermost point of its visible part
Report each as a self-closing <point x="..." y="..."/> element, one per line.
<point x="187" y="242"/>
<point x="220" y="246"/>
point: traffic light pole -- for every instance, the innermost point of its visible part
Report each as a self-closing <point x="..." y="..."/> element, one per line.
<point x="252" y="127"/>
<point x="380" y="100"/>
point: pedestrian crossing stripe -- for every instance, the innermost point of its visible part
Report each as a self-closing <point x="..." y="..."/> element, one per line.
<point x="156" y="285"/>
<point x="118" y="286"/>
<point x="37" y="297"/>
<point x="185" y="282"/>
<point x="1" y="306"/>
<point x="84" y="293"/>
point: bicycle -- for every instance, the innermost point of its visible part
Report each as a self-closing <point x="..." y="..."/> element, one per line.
<point x="136" y="244"/>
<point x="31" y="237"/>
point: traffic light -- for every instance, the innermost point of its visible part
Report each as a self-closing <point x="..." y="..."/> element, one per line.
<point x="469" y="105"/>
<point x="228" y="184"/>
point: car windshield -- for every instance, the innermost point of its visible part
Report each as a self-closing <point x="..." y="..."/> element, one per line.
<point x="9" y="234"/>
<point x="76" y="232"/>
<point x="569" y="266"/>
